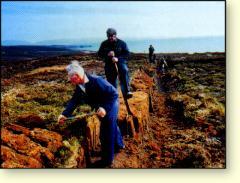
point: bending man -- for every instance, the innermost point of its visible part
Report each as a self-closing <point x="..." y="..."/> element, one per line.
<point x="100" y="95"/>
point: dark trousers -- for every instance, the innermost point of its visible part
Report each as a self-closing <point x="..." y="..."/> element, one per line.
<point x="110" y="134"/>
<point x="152" y="57"/>
<point x="111" y="75"/>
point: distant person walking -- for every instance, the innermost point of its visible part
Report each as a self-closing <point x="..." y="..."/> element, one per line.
<point x="151" y="51"/>
<point x="114" y="50"/>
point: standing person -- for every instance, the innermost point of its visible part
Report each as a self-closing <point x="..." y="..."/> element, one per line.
<point x="100" y="95"/>
<point x="114" y="50"/>
<point x="151" y="51"/>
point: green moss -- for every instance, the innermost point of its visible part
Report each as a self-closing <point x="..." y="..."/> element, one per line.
<point x="46" y="100"/>
<point x="68" y="155"/>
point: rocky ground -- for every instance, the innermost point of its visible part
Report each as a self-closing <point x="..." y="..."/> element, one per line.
<point x="178" y="116"/>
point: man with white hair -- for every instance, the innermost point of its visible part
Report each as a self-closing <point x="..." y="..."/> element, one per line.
<point x="102" y="96"/>
<point x="115" y="51"/>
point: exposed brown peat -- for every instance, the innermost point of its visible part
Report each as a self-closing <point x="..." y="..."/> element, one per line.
<point x="180" y="125"/>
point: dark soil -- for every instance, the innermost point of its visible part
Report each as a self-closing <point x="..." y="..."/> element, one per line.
<point x="170" y="141"/>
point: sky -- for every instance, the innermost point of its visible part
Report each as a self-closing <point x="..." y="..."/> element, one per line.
<point x="41" y="21"/>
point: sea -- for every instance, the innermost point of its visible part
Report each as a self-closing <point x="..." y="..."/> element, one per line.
<point x="173" y="45"/>
<point x="176" y="45"/>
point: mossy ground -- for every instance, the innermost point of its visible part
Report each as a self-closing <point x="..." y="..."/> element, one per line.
<point x="170" y="141"/>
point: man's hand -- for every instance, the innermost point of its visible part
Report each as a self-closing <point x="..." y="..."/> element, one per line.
<point x="111" y="54"/>
<point x="114" y="59"/>
<point x="101" y="112"/>
<point x="61" y="119"/>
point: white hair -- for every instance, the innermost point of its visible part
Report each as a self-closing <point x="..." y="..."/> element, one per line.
<point x="75" y="68"/>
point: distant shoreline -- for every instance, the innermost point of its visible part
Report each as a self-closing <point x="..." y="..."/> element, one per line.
<point x="26" y="52"/>
<point x="161" y="45"/>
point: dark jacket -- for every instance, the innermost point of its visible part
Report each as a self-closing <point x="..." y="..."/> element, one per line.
<point x="151" y="50"/>
<point x="119" y="47"/>
<point x="99" y="93"/>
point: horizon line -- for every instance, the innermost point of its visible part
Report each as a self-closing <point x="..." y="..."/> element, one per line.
<point x="73" y="40"/>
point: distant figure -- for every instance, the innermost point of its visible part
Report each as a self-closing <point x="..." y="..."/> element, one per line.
<point x="151" y="51"/>
<point x="162" y="65"/>
<point x="169" y="61"/>
<point x="115" y="51"/>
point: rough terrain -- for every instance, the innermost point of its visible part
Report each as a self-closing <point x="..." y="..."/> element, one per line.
<point x="178" y="116"/>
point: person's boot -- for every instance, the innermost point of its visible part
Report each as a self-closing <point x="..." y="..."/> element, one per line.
<point x="129" y="95"/>
<point x="118" y="149"/>
<point x="100" y="164"/>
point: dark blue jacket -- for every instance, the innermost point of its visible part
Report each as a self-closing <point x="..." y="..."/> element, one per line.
<point x="119" y="47"/>
<point x="99" y="93"/>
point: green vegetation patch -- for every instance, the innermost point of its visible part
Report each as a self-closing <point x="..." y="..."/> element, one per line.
<point x="43" y="100"/>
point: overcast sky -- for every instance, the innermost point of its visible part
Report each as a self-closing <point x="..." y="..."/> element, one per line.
<point x="40" y="21"/>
